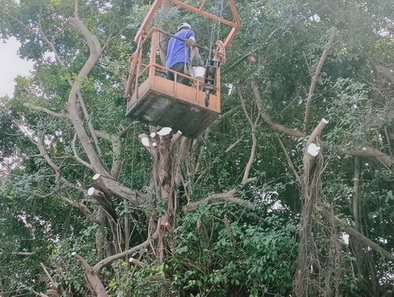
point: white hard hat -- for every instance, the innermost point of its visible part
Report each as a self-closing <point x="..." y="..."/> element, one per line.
<point x="184" y="25"/>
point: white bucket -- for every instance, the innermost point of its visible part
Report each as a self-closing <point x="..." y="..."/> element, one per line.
<point x="198" y="72"/>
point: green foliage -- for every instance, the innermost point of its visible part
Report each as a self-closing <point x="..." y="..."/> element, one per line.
<point x="216" y="256"/>
<point x="138" y="282"/>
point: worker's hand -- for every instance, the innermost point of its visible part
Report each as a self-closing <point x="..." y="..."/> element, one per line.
<point x="190" y="42"/>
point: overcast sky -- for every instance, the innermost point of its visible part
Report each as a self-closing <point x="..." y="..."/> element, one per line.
<point x="11" y="66"/>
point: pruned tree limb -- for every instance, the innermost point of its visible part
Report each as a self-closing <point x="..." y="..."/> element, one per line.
<point x="308" y="157"/>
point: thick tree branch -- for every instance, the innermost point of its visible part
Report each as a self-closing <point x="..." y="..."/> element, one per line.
<point x="369" y="152"/>
<point x="73" y="108"/>
<point x="92" y="277"/>
<point x="112" y="186"/>
<point x="315" y="78"/>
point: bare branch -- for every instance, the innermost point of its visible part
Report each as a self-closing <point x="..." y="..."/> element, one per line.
<point x="249" y="53"/>
<point x="73" y="108"/>
<point x="92" y="277"/>
<point x="92" y="40"/>
<point x="89" y="123"/>
<point x="224" y="197"/>
<point x="253" y="127"/>
<point x="76" y="9"/>
<point x="315" y="77"/>
<point x="125" y="129"/>
<point x="134" y="249"/>
<point x="43" y="109"/>
<point x="81" y="207"/>
<point x="76" y="156"/>
<point x="114" y="187"/>
<point x="289" y="161"/>
<point x="51" y="46"/>
<point x="267" y="118"/>
<point x="116" y="150"/>
<point x="359" y="235"/>
<point x="40" y="294"/>
<point x="369" y="152"/>
<point x="47" y="274"/>
<point x="231" y="147"/>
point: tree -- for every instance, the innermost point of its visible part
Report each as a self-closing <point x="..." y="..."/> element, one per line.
<point x="305" y="137"/>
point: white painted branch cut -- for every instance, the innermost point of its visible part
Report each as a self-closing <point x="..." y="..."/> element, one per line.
<point x="313" y="149"/>
<point x="164" y="131"/>
<point x="145" y="141"/>
<point x="91" y="191"/>
<point x="96" y="176"/>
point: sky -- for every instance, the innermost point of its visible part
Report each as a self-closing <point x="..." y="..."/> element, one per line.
<point x="11" y="66"/>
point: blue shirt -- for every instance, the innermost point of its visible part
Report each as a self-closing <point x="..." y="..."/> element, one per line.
<point x="176" y="52"/>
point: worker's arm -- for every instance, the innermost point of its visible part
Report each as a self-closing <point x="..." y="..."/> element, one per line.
<point x="191" y="41"/>
<point x="196" y="53"/>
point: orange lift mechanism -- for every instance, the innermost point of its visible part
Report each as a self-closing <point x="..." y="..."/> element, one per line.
<point x="155" y="100"/>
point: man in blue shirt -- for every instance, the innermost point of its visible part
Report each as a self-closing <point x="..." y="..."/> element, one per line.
<point x="179" y="52"/>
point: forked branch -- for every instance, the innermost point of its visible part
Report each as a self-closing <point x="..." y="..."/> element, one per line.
<point x="267" y="118"/>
